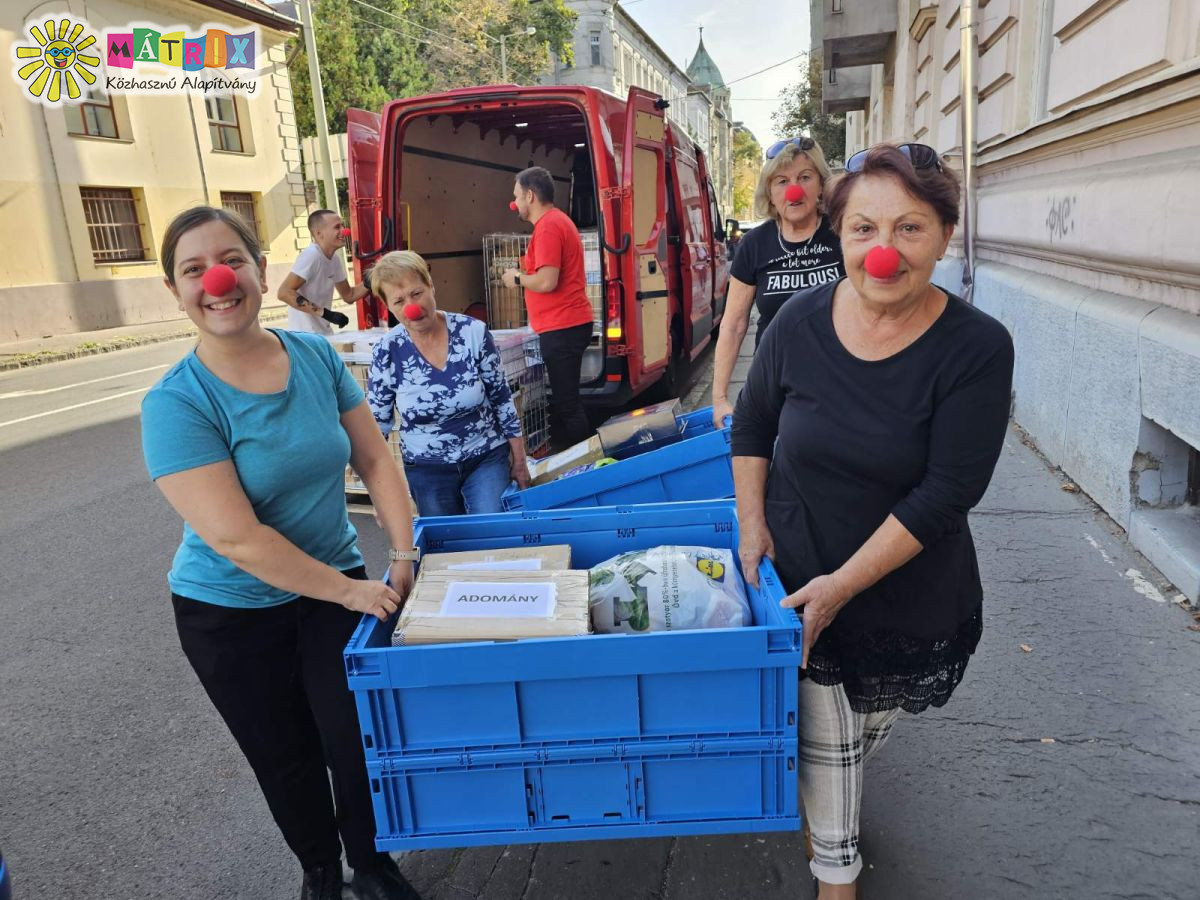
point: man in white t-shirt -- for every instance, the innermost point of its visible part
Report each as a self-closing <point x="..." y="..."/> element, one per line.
<point x="318" y="271"/>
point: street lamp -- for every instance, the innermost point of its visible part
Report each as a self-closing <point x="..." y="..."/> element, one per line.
<point x="504" y="49"/>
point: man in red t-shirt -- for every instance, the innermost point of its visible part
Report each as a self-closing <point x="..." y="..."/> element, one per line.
<point x="556" y="296"/>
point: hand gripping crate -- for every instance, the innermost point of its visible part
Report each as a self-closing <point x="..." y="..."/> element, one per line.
<point x="695" y="465"/>
<point x="603" y="736"/>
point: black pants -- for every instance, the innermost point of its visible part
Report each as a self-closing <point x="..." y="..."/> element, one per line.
<point x="277" y="678"/>
<point x="562" y="352"/>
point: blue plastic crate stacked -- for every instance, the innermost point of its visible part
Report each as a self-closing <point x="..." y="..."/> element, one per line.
<point x="589" y="737"/>
<point x="689" y="462"/>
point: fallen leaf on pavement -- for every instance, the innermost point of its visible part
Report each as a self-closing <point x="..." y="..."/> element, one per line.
<point x="1071" y="488"/>
<point x="1194" y="628"/>
<point x="1026" y="648"/>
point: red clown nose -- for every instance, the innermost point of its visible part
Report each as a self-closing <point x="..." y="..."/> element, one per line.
<point x="512" y="205"/>
<point x="219" y="280"/>
<point x="412" y="312"/>
<point x="345" y="232"/>
<point x="882" y="262"/>
<point x="794" y="193"/>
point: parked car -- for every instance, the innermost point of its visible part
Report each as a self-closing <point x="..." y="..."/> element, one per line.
<point x="434" y="174"/>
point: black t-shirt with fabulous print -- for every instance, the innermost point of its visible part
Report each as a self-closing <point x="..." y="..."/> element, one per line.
<point x="779" y="268"/>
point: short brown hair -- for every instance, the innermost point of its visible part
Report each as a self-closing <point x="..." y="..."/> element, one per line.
<point x="202" y="215"/>
<point x="394" y="266"/>
<point x="936" y="186"/>
<point x="539" y="181"/>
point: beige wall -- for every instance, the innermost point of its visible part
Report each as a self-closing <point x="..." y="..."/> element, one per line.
<point x="49" y="282"/>
<point x="1088" y="127"/>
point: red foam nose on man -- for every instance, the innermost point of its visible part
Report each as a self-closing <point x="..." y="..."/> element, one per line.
<point x="412" y="312"/>
<point x="794" y="193"/>
<point x="345" y="232"/>
<point x="219" y="280"/>
<point x="882" y="262"/>
<point x="512" y="204"/>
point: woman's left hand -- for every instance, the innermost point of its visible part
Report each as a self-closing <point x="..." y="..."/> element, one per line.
<point x="519" y="469"/>
<point x="400" y="577"/>
<point x="822" y="599"/>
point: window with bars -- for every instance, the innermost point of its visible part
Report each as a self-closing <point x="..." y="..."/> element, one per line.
<point x="112" y="222"/>
<point x="92" y="118"/>
<point x="223" y="124"/>
<point x="242" y="203"/>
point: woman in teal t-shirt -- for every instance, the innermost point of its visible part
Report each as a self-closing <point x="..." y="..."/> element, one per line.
<point x="248" y="438"/>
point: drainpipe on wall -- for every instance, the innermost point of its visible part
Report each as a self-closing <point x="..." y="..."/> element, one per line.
<point x="968" y="52"/>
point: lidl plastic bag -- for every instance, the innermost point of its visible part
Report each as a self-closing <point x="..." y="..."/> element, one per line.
<point x="667" y="588"/>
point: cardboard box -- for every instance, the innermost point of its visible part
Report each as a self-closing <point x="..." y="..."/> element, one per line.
<point x="543" y="471"/>
<point x="641" y="426"/>
<point x="551" y="556"/>
<point x="425" y="618"/>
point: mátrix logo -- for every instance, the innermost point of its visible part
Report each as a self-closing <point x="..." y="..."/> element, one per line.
<point x="56" y="60"/>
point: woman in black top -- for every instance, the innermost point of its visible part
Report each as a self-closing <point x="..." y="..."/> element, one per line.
<point x="870" y="424"/>
<point x="793" y="250"/>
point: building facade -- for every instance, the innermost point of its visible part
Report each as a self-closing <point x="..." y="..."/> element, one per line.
<point x="1088" y="200"/>
<point x="90" y="187"/>
<point x="613" y="53"/>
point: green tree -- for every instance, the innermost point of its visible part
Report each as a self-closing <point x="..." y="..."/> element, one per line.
<point x="417" y="46"/>
<point x="800" y="112"/>
<point x="747" y="162"/>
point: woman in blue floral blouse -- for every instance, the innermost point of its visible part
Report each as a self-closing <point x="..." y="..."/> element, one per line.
<point x="459" y="429"/>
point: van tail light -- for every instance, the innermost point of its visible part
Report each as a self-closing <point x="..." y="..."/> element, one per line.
<point x="614" y="331"/>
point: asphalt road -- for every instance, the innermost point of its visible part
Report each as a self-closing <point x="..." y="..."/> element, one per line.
<point x="1071" y="770"/>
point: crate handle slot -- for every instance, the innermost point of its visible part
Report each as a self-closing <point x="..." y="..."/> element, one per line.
<point x="614" y="815"/>
<point x="560" y="818"/>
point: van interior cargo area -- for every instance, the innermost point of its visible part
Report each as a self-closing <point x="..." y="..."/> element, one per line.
<point x="456" y="180"/>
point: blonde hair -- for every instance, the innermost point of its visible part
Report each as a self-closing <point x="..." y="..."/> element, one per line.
<point x="393" y="266"/>
<point x="763" y="208"/>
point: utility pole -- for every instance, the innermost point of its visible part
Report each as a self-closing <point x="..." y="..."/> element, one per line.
<point x="318" y="97"/>
<point x="968" y="52"/>
<point x="504" y="48"/>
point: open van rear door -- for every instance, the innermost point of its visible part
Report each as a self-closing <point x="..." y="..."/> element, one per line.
<point x="643" y="218"/>
<point x="369" y="236"/>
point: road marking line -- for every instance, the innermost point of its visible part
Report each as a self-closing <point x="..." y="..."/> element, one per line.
<point x="54" y="412"/>
<point x="66" y="387"/>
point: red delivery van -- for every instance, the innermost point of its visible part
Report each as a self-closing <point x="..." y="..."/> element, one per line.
<point x="434" y="174"/>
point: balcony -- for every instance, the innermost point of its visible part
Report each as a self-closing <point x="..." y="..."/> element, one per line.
<point x="845" y="90"/>
<point x="858" y="32"/>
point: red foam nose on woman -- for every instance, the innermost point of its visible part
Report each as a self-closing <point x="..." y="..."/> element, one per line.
<point x="882" y="262"/>
<point x="794" y="193"/>
<point x="219" y="280"/>
<point x="412" y="312"/>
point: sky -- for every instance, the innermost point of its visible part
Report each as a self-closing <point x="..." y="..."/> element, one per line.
<point x="742" y="36"/>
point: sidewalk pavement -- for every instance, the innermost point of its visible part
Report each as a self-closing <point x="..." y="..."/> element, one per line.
<point x="55" y="348"/>
<point x="1064" y="766"/>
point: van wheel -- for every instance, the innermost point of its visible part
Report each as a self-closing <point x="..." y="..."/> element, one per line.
<point x="667" y="387"/>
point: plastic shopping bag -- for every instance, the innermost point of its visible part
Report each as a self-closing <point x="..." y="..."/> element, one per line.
<point x="667" y="588"/>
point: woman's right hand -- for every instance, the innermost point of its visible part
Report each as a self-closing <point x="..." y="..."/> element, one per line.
<point x="721" y="408"/>
<point x="754" y="543"/>
<point x="372" y="597"/>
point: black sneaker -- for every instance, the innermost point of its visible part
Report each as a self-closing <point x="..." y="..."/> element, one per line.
<point x="382" y="882"/>
<point x="322" y="882"/>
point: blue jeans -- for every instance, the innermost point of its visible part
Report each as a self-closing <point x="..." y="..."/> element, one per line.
<point x="450" y="489"/>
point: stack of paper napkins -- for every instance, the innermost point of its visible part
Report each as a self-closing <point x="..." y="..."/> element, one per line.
<point x="495" y="595"/>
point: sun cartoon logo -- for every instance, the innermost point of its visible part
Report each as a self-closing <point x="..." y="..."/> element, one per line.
<point x="57" y="59"/>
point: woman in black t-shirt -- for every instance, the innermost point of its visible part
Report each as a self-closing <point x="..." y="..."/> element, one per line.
<point x="793" y="250"/>
<point x="869" y="425"/>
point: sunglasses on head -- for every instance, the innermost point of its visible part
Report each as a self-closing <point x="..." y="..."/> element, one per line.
<point x="920" y="155"/>
<point x="803" y="144"/>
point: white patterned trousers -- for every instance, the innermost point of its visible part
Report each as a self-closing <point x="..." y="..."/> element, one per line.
<point x="835" y="742"/>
